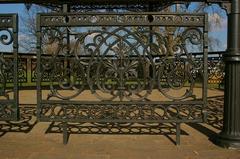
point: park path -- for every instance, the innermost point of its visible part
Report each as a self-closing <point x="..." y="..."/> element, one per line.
<point x="29" y="139"/>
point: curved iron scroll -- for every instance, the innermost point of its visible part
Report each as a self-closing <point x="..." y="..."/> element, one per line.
<point x="121" y="62"/>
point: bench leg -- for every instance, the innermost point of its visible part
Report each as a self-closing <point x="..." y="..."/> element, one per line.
<point x="178" y="133"/>
<point x="65" y="133"/>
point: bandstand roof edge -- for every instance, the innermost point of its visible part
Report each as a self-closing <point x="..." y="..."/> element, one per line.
<point x="110" y="2"/>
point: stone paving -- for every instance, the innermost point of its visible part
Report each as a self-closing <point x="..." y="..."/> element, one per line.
<point x="29" y="139"/>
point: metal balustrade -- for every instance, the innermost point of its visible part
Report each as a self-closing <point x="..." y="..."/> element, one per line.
<point x="28" y="63"/>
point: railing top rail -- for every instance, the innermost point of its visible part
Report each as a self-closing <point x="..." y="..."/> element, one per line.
<point x="34" y="54"/>
<point x="121" y="19"/>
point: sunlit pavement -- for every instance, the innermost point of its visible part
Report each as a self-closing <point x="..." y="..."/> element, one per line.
<point x="29" y="139"/>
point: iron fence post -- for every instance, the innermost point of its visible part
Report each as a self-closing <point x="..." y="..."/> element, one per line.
<point x="230" y="134"/>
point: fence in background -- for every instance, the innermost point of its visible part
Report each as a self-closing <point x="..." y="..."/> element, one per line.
<point x="28" y="63"/>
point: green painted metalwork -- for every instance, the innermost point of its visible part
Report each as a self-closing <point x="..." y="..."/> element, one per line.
<point x="8" y="67"/>
<point x="109" y="56"/>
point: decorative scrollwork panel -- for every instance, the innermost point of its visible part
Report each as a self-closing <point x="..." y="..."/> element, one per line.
<point x="8" y="68"/>
<point x="111" y="58"/>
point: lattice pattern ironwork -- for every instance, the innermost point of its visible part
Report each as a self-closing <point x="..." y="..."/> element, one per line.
<point x="8" y="68"/>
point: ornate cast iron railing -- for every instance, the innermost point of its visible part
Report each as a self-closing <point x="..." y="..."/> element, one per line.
<point x="216" y="67"/>
<point x="8" y="67"/>
<point x="106" y="77"/>
<point x="27" y="67"/>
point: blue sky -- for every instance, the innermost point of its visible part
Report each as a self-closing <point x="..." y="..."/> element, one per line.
<point x="12" y="8"/>
<point x="219" y="32"/>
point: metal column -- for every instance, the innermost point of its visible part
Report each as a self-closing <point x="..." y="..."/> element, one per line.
<point x="230" y="135"/>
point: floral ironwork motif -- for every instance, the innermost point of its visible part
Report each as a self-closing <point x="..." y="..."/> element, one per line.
<point x="119" y="63"/>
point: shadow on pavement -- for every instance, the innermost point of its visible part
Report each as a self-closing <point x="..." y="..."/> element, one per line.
<point x="214" y="119"/>
<point x="28" y="121"/>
